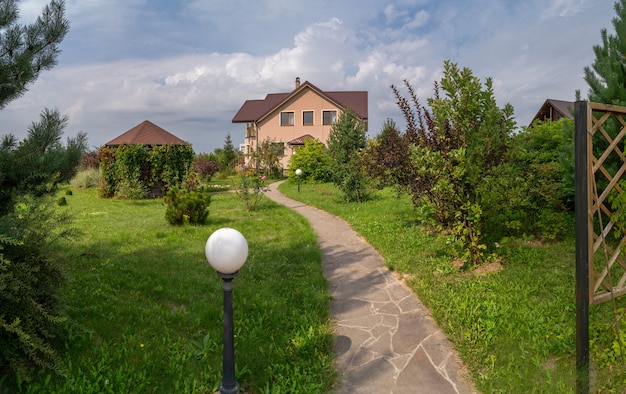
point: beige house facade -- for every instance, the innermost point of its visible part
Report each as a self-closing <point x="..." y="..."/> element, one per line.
<point x="288" y="119"/>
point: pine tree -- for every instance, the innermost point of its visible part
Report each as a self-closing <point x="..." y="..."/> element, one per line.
<point x="347" y="137"/>
<point x="607" y="75"/>
<point x="228" y="153"/>
<point x="39" y="162"/>
<point x="31" y="274"/>
<point x="345" y="142"/>
<point x="25" y="51"/>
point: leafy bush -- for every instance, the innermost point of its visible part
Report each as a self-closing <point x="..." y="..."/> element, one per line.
<point x="483" y="182"/>
<point x="550" y="143"/>
<point x="137" y="168"/>
<point x="31" y="278"/>
<point x="267" y="157"/>
<point x="187" y="206"/>
<point x="206" y="167"/>
<point x="453" y="150"/>
<point x="89" y="160"/>
<point x="387" y="158"/>
<point x="313" y="160"/>
<point x="250" y="186"/>
<point x="531" y="193"/>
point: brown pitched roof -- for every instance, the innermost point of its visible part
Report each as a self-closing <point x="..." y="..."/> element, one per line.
<point x="300" y="140"/>
<point x="554" y="110"/>
<point x="146" y="133"/>
<point x="255" y="110"/>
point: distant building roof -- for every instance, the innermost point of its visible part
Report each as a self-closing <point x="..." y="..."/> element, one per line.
<point x="554" y="110"/>
<point x="146" y="133"/>
<point x="255" y="110"/>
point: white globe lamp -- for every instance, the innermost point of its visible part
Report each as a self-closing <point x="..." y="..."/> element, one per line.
<point x="226" y="250"/>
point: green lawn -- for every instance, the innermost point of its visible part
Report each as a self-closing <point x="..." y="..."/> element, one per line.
<point x="147" y="306"/>
<point x="514" y="328"/>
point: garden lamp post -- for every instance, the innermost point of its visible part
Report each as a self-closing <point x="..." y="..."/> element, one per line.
<point x="227" y="250"/>
<point x="298" y="173"/>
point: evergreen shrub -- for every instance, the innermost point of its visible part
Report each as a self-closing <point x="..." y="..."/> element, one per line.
<point x="31" y="278"/>
<point x="187" y="206"/>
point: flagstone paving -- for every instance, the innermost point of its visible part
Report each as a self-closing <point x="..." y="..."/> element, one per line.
<point x="385" y="339"/>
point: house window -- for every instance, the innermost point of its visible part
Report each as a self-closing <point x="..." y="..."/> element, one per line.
<point x="329" y="117"/>
<point x="286" y="118"/>
<point x="250" y="130"/>
<point x="307" y="118"/>
<point x="278" y="148"/>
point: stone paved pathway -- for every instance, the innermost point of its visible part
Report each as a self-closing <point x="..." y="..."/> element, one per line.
<point x="385" y="339"/>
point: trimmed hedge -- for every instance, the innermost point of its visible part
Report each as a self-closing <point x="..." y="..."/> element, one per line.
<point x="132" y="171"/>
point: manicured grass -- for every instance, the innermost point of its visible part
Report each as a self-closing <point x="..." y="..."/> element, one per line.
<point x="148" y="307"/>
<point x="515" y="327"/>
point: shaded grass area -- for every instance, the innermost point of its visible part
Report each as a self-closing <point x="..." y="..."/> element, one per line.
<point x="148" y="307"/>
<point x="513" y="327"/>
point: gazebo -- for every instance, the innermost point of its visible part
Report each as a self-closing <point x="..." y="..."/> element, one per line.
<point x="175" y="155"/>
<point x="146" y="133"/>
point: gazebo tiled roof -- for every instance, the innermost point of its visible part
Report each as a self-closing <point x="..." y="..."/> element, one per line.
<point x="146" y="133"/>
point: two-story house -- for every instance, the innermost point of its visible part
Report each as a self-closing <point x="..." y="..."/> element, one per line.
<point x="288" y="119"/>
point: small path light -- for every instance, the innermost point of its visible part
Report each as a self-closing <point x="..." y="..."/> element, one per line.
<point x="298" y="173"/>
<point x="227" y="250"/>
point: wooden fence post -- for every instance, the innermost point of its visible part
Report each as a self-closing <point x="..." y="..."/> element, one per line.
<point x="582" y="247"/>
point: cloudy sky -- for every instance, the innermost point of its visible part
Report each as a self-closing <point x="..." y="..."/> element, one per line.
<point x="188" y="65"/>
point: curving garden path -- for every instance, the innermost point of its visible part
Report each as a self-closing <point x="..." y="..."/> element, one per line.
<point x="385" y="339"/>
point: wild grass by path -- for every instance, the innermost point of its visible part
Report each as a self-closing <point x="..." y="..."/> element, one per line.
<point x="149" y="307"/>
<point x="514" y="328"/>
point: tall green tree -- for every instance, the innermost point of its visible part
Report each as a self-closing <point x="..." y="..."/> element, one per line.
<point x="607" y="75"/>
<point x="39" y="162"/>
<point x="345" y="143"/>
<point x="455" y="148"/>
<point x="607" y="81"/>
<point x="228" y="153"/>
<point x="31" y="274"/>
<point x="26" y="51"/>
<point x="267" y="157"/>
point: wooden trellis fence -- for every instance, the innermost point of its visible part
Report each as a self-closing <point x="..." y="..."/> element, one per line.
<point x="600" y="217"/>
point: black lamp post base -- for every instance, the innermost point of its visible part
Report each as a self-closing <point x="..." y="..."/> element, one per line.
<point x="234" y="390"/>
<point x="229" y="384"/>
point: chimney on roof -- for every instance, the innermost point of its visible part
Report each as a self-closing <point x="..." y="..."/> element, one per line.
<point x="297" y="82"/>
